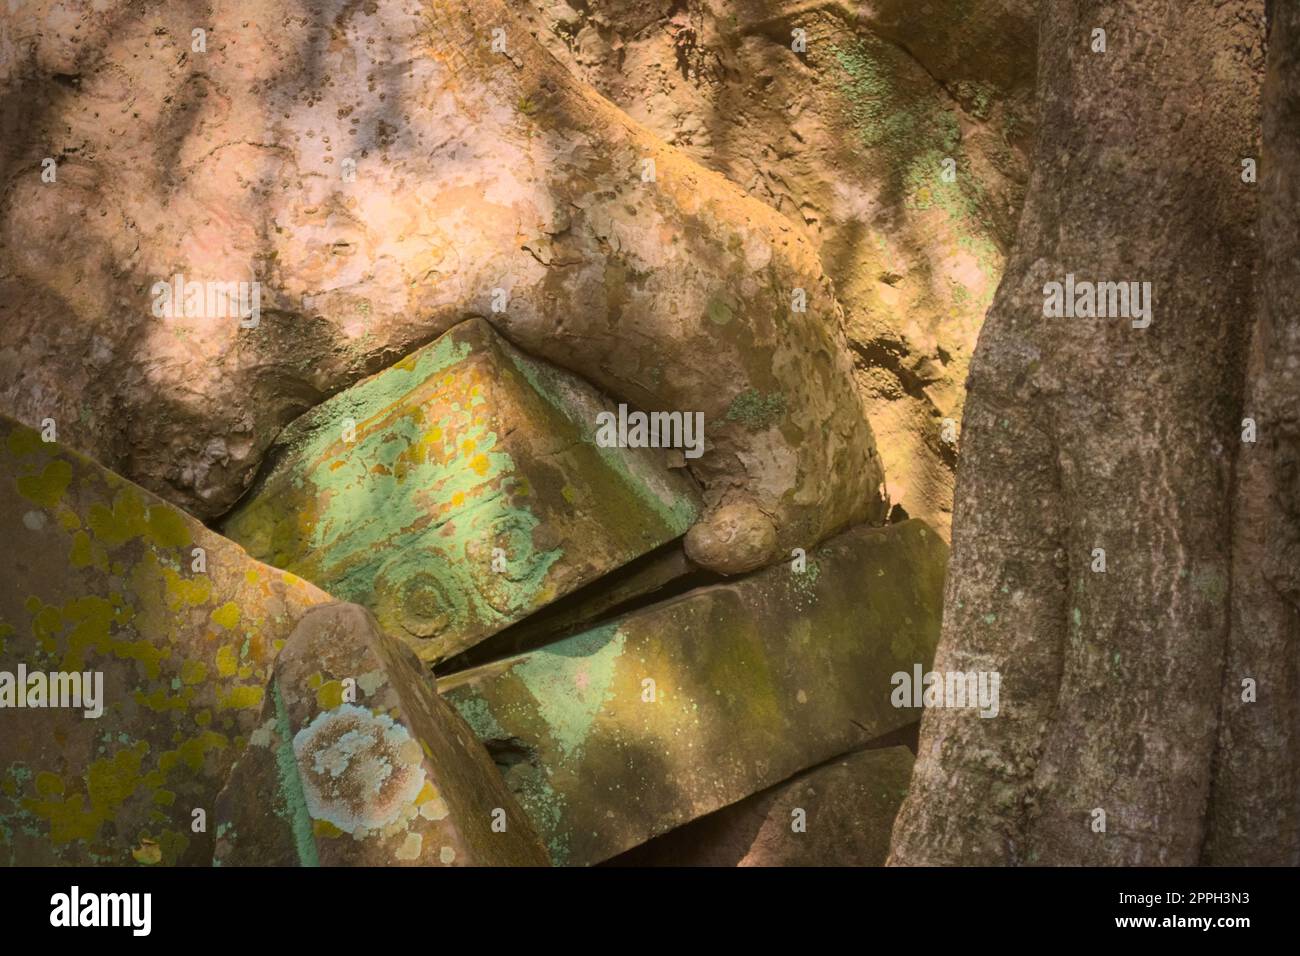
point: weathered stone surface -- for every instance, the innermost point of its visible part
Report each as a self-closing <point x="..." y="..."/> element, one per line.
<point x="466" y="453"/>
<point x="654" y="577"/>
<point x="753" y="681"/>
<point x="98" y="575"/>
<point x="359" y="762"/>
<point x="848" y="808"/>
<point x="848" y="140"/>
<point x="384" y="173"/>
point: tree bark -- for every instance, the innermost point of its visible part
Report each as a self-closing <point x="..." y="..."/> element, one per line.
<point x="1255" y="806"/>
<point x="1090" y="433"/>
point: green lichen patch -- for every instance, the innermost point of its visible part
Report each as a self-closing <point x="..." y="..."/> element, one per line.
<point x="458" y="491"/>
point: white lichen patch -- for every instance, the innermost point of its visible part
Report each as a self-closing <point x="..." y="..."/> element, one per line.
<point x="262" y="736"/>
<point x="360" y="771"/>
<point x="435" y="809"/>
<point x="410" y="848"/>
<point x="372" y="681"/>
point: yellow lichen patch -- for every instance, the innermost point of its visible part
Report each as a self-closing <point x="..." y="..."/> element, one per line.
<point x="91" y="619"/>
<point x="192" y="751"/>
<point x="49" y="784"/>
<point x="80" y="555"/>
<point x="480" y="464"/>
<point x="186" y="591"/>
<point x="330" y="695"/>
<point x="144" y="652"/>
<point x="166" y="527"/>
<point x="68" y="818"/>
<point x="323" y="828"/>
<point x="23" y="441"/>
<point x="160" y="700"/>
<point x="47" y="488"/>
<point x="227" y="660"/>
<point x="148" y="852"/>
<point x="193" y="672"/>
<point x="245" y="696"/>
<point x="435" y="809"/>
<point x="251" y="576"/>
<point x="227" y="615"/>
<point x="47" y="624"/>
<point x="125" y="521"/>
<point x="111" y="782"/>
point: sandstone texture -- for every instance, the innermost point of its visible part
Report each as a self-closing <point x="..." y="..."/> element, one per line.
<point x="358" y="762"/>
<point x="838" y="814"/>
<point x="848" y="140"/>
<point x="618" y="734"/>
<point x="457" y="491"/>
<point x="383" y="175"/>
<point x="100" y="576"/>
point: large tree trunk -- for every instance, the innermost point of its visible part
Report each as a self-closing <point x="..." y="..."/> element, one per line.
<point x="1090" y="433"/>
<point x="1255" y="808"/>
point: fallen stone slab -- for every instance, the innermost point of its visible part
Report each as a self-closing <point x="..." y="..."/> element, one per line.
<point x="623" y="732"/>
<point x="170" y="628"/>
<point x="458" y="491"/>
<point x="359" y="762"/>
<point x="838" y="814"/>
<point x="654" y="577"/>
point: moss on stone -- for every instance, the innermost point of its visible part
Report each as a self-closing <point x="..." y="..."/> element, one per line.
<point x="755" y="410"/>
